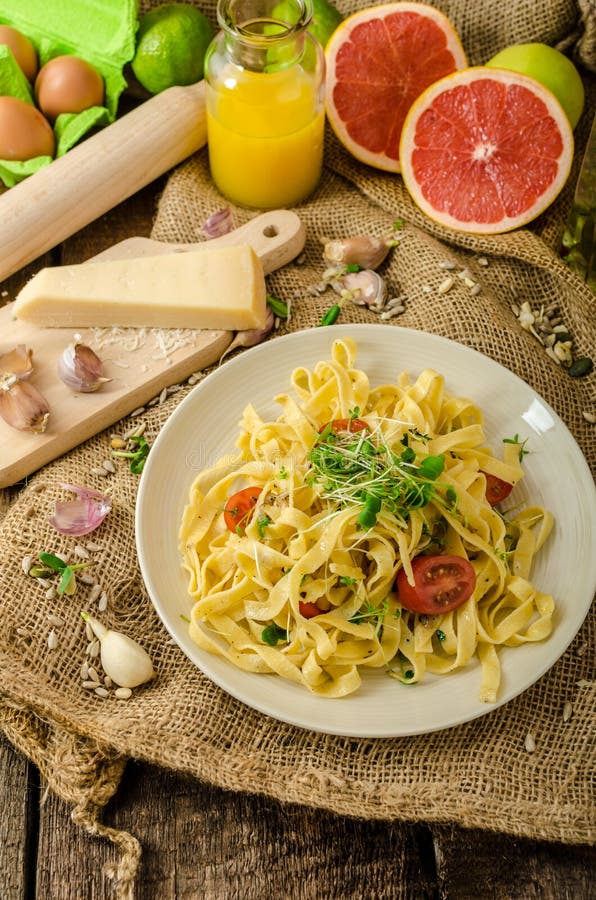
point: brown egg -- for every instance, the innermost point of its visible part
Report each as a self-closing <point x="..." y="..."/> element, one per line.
<point x="24" y="133"/>
<point x="21" y="48"/>
<point x="68" y="84"/>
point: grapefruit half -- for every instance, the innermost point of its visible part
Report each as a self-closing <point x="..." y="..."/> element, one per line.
<point x="485" y="150"/>
<point x="378" y="61"/>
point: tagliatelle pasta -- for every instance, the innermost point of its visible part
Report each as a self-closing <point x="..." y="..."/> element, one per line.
<point x="293" y="547"/>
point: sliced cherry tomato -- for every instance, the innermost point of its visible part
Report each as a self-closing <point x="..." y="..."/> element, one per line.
<point x="441" y="583"/>
<point x="238" y="510"/>
<point x="496" y="489"/>
<point x="309" y="610"/>
<point x="340" y="426"/>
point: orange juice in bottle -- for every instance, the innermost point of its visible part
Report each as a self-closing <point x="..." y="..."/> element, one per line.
<point x="264" y="75"/>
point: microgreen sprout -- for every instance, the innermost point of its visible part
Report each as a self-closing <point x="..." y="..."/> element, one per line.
<point x="56" y="566"/>
<point x="331" y="316"/>
<point x="272" y="633"/>
<point x="361" y="469"/>
<point x="283" y="473"/>
<point x="262" y="523"/>
<point x="353" y="268"/>
<point x="522" y="445"/>
<point x="137" y="457"/>
<point x="346" y="581"/>
<point x="374" y="615"/>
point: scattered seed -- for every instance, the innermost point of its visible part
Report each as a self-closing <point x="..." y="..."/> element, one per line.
<point x="91" y="685"/>
<point x="464" y="274"/>
<point x="108" y="682"/>
<point x="93" y="548"/>
<point x="447" y="264"/>
<point x="22" y="632"/>
<point x="93" y="676"/>
<point x="581" y="649"/>
<point x="515" y="310"/>
<point x="482" y="261"/>
<point x="52" y="640"/>
<point x="567" y="710"/>
<point x="109" y="466"/>
<point x="137" y="412"/>
<point x="163" y="396"/>
<point x="87" y="578"/>
<point x="580" y="367"/>
<point x="122" y="693"/>
<point x="102" y="692"/>
<point x="100" y="471"/>
<point x="530" y="743"/>
<point x="550" y="352"/>
<point x="56" y="621"/>
<point x="475" y="290"/>
<point x="50" y="593"/>
<point x="392" y="313"/>
<point x="81" y="552"/>
<point x="94" y="649"/>
<point x="26" y="564"/>
<point x="426" y="289"/>
<point x="85" y="671"/>
<point x="446" y="285"/>
<point x="589" y="416"/>
<point x="117" y="443"/>
<point x="103" y="602"/>
<point x="44" y="583"/>
<point x="94" y="593"/>
<point x="192" y="380"/>
<point x="89" y="632"/>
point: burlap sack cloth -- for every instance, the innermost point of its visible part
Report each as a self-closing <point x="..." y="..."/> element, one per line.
<point x="477" y="775"/>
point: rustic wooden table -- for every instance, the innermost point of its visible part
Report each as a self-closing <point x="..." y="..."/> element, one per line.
<point x="202" y="842"/>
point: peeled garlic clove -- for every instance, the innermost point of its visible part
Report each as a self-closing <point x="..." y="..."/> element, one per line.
<point x="81" y="369"/>
<point x="365" y="288"/>
<point x="361" y="250"/>
<point x="125" y="661"/>
<point x="218" y="223"/>
<point x="18" y="361"/>
<point x="22" y="406"/>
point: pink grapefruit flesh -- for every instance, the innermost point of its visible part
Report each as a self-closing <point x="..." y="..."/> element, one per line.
<point x="378" y="61"/>
<point x="485" y="150"/>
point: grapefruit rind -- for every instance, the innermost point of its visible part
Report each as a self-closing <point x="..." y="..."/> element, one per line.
<point x="468" y="76"/>
<point x="342" y="35"/>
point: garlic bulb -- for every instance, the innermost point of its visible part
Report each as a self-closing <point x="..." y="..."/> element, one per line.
<point x="22" y="406"/>
<point x="125" y="661"/>
<point x="81" y="369"/>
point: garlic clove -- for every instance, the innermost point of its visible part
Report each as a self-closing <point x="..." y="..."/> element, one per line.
<point x="365" y="288"/>
<point x="80" y="516"/>
<point x="361" y="250"/>
<point x="219" y="223"/>
<point x="122" y="658"/>
<point x="22" y="406"/>
<point x="18" y="361"/>
<point x="253" y="336"/>
<point x="81" y="369"/>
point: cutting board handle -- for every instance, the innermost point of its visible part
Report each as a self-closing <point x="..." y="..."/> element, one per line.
<point x="99" y="173"/>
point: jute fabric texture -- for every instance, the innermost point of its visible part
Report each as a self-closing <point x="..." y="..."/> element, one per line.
<point x="478" y="774"/>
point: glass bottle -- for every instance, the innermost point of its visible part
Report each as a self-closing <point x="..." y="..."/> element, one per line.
<point x="264" y="75"/>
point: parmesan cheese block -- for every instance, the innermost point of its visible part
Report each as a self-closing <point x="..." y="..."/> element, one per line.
<point x="218" y="288"/>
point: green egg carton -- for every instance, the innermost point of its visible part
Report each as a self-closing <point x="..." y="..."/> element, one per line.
<point x="100" y="31"/>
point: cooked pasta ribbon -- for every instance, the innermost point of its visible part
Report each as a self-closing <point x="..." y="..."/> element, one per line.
<point x="355" y="483"/>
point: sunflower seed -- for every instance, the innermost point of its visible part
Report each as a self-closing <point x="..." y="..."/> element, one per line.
<point x="81" y="552"/>
<point x="89" y="632"/>
<point x="482" y="261"/>
<point x="100" y="471"/>
<point x="56" y="621"/>
<point x="52" y="640"/>
<point x="94" y="649"/>
<point x="108" y="682"/>
<point x="93" y="676"/>
<point x="92" y="547"/>
<point x="530" y="743"/>
<point x="94" y="593"/>
<point x="117" y="443"/>
<point x="26" y="564"/>
<point x="91" y="685"/>
<point x="475" y="290"/>
<point x="589" y="416"/>
<point x="137" y="412"/>
<point x="102" y="692"/>
<point x="109" y="466"/>
<point x="103" y="602"/>
<point x="85" y="671"/>
<point x="447" y="264"/>
<point x="464" y="274"/>
<point x="122" y="693"/>
<point x="446" y="285"/>
<point x="87" y="578"/>
<point x="426" y="289"/>
<point x="22" y="632"/>
<point x="163" y="396"/>
<point x="567" y="711"/>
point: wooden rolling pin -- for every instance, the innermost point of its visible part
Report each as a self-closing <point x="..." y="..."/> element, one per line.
<point x="99" y="173"/>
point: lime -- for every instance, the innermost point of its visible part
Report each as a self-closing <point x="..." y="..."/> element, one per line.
<point x="325" y="18"/>
<point x="171" y="44"/>
<point x="551" y="68"/>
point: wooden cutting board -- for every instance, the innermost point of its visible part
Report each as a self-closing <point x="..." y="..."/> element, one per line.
<point x="140" y="362"/>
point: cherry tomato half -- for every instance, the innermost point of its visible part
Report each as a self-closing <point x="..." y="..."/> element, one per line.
<point x="441" y="583"/>
<point x="309" y="610"/>
<point x="239" y="508"/>
<point x="340" y="426"/>
<point x="496" y="489"/>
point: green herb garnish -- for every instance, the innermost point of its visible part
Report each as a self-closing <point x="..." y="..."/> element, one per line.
<point x="374" y="615"/>
<point x="353" y="268"/>
<point x="271" y="634"/>
<point x="137" y="457"/>
<point x="522" y="444"/>
<point x="346" y="581"/>
<point x="440" y="634"/>
<point x="55" y="565"/>
<point x="331" y="316"/>
<point x="278" y="307"/>
<point x="262" y="523"/>
<point x="283" y="473"/>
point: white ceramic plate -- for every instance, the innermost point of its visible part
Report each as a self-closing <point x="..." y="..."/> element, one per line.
<point x="204" y="427"/>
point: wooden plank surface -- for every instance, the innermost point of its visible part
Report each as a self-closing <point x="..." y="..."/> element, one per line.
<point x="202" y="842"/>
